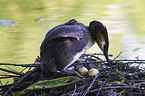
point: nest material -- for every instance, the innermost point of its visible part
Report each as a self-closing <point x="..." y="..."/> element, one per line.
<point x="121" y="78"/>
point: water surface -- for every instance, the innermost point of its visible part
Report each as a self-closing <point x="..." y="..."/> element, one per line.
<point x="124" y="20"/>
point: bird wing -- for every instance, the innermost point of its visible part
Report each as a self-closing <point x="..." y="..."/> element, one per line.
<point x="66" y="38"/>
<point x="74" y="31"/>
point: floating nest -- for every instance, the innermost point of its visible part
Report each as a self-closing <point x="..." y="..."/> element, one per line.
<point x="121" y="78"/>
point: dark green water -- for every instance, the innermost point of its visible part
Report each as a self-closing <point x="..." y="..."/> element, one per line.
<point x="124" y="19"/>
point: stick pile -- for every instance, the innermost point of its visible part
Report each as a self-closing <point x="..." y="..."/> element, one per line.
<point x="121" y="78"/>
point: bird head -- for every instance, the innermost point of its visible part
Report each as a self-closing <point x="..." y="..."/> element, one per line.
<point x="100" y="35"/>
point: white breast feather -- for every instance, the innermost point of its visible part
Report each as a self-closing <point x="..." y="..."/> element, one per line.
<point x="90" y="44"/>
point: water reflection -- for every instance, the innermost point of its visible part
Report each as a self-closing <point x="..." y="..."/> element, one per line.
<point x="20" y="44"/>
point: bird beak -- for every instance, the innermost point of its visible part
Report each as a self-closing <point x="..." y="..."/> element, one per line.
<point x="106" y="56"/>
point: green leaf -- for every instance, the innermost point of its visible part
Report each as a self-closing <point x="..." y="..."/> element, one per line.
<point x="118" y="72"/>
<point x="118" y="83"/>
<point x="46" y="84"/>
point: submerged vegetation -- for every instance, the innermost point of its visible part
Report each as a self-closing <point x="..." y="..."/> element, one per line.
<point x="121" y="78"/>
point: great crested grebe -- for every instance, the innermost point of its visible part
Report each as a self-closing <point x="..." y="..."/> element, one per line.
<point x="65" y="43"/>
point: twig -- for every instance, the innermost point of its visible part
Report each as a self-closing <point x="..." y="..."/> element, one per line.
<point x="115" y="87"/>
<point x="35" y="65"/>
<point x="131" y="61"/>
<point x="7" y="76"/>
<point x="23" y="65"/>
<point x="98" y="54"/>
<point x="74" y="90"/>
<point x="14" y="72"/>
<point x="136" y="80"/>
<point x="7" y="82"/>
<point x="23" y="69"/>
<point x="118" y="55"/>
<point x="81" y="91"/>
<point x="137" y="66"/>
<point x="101" y="87"/>
<point x="29" y="94"/>
<point x="121" y="92"/>
<point x="19" y="81"/>
<point x="92" y="56"/>
<point x="80" y="88"/>
<point x="139" y="83"/>
<point x="131" y="84"/>
<point x="87" y="90"/>
<point x="1" y="83"/>
<point x="65" y="91"/>
<point x="5" y="85"/>
<point x="9" y="68"/>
